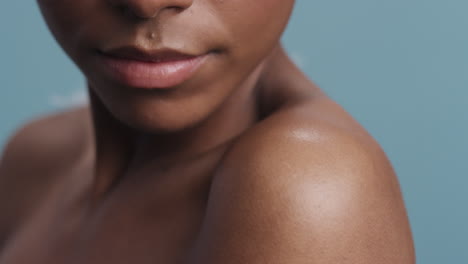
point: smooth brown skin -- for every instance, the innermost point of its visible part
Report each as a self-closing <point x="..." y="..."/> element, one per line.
<point x="248" y="162"/>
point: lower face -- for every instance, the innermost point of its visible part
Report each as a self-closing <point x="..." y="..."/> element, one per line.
<point x="229" y="37"/>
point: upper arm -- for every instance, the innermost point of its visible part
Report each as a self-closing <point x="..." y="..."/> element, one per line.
<point x="305" y="196"/>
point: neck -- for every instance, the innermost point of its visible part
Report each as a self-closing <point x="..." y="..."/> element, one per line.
<point x="120" y="149"/>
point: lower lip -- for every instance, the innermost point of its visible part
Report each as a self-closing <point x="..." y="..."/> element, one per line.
<point x="151" y="75"/>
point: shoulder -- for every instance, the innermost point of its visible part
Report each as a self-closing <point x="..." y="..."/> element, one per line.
<point x="47" y="137"/>
<point x="318" y="137"/>
<point x="302" y="187"/>
<point x="31" y="159"/>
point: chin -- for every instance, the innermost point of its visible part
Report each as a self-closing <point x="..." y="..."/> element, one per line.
<point x="158" y="116"/>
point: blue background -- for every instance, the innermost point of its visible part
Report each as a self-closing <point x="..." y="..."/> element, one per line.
<point x="400" y="67"/>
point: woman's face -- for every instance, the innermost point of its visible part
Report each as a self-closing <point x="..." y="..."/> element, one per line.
<point x="232" y="36"/>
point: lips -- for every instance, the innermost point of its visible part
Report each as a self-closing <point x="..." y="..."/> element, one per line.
<point x="149" y="69"/>
<point x="136" y="54"/>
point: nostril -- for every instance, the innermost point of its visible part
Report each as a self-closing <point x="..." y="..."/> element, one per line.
<point x="146" y="9"/>
<point x="125" y="11"/>
<point x="176" y="8"/>
<point x="122" y="9"/>
<point x="133" y="13"/>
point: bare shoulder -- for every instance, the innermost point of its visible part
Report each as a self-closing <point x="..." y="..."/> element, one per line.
<point x="307" y="185"/>
<point x="33" y="157"/>
<point x="47" y="138"/>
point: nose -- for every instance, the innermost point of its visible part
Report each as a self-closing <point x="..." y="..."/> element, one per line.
<point x="145" y="9"/>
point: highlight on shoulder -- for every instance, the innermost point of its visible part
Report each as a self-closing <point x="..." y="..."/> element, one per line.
<point x="299" y="189"/>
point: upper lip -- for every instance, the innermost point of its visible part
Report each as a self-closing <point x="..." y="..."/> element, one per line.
<point x="138" y="54"/>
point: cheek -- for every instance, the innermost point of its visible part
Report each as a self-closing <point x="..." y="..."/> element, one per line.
<point x="67" y="18"/>
<point x="261" y="14"/>
<point x="258" y="22"/>
<point x="59" y="15"/>
<point x="60" y="18"/>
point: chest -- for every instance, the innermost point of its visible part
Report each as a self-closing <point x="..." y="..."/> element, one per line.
<point x="138" y="222"/>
